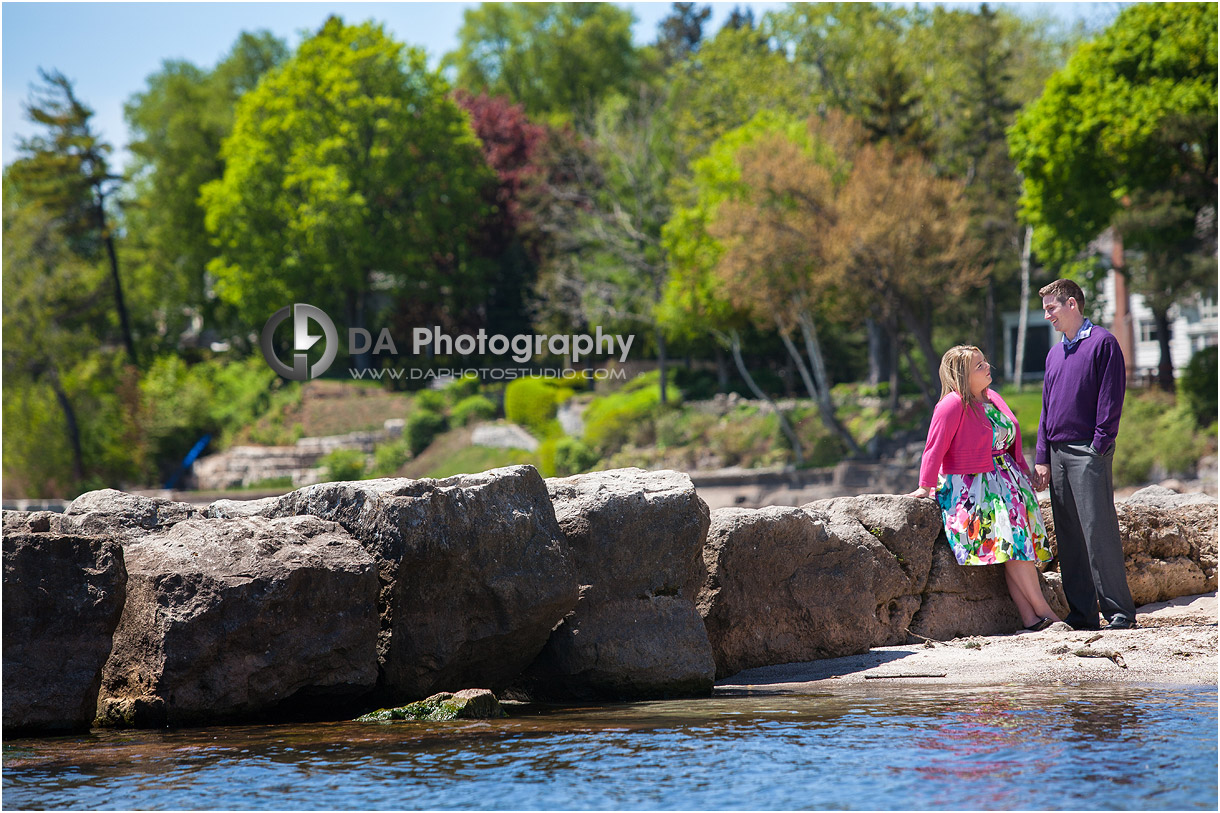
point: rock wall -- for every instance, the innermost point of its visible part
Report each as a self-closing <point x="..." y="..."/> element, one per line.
<point x="136" y="611"/>
<point x="836" y="577"/>
<point x="1169" y="541"/>
<point x="636" y="537"/>
<point x="63" y="594"/>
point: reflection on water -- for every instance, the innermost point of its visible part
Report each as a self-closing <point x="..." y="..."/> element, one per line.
<point x="1045" y="748"/>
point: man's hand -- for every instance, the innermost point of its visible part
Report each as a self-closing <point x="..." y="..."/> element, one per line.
<point x="1042" y="477"/>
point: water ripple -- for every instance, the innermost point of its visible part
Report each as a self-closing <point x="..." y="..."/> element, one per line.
<point x="1069" y="747"/>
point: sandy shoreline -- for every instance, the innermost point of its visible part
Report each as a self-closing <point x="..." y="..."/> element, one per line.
<point x="1175" y="643"/>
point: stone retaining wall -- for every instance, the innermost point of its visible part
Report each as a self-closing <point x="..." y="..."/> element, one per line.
<point x="138" y="611"/>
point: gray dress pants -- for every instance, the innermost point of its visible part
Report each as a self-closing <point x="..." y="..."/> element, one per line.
<point x="1086" y="529"/>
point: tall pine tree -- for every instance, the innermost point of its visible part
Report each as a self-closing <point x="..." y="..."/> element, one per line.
<point x="65" y="171"/>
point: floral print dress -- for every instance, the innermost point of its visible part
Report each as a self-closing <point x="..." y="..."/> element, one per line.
<point x="993" y="516"/>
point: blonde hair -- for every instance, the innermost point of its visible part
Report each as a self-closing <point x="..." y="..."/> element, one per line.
<point x="955" y="372"/>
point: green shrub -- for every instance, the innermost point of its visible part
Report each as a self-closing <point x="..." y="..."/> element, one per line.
<point x="533" y="403"/>
<point x="462" y="388"/>
<point x="471" y="409"/>
<point x="1156" y="437"/>
<point x="181" y="402"/>
<point x="422" y="428"/>
<point x="573" y="457"/>
<point x="431" y="400"/>
<point x="626" y="415"/>
<point x="344" y="464"/>
<point x="821" y="446"/>
<point x="38" y="460"/>
<point x="1198" y="385"/>
<point x="746" y="438"/>
<point x="682" y="427"/>
<point x="388" y="458"/>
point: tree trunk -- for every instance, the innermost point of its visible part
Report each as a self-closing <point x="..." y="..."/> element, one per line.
<point x="78" y="457"/>
<point x="722" y="370"/>
<point x="919" y="379"/>
<point x="735" y="345"/>
<point x="923" y="337"/>
<point x="989" y="321"/>
<point x="1019" y="362"/>
<point x="799" y="360"/>
<point x="878" y="368"/>
<point x="355" y="317"/>
<point x="119" y="303"/>
<point x="1165" y="370"/>
<point x="895" y="349"/>
<point x="827" y="411"/>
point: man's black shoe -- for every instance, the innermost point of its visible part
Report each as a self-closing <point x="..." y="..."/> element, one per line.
<point x="1083" y="626"/>
<point x="1121" y="623"/>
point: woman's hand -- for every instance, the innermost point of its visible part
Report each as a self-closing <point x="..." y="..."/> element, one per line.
<point x="923" y="492"/>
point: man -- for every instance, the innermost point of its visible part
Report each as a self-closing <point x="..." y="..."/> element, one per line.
<point x="1082" y="400"/>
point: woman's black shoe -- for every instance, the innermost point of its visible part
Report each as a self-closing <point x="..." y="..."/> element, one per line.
<point x="1040" y="625"/>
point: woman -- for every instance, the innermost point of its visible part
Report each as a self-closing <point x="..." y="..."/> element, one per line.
<point x="990" y="511"/>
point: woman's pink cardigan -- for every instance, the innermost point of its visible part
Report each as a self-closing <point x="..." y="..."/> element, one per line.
<point x="959" y="440"/>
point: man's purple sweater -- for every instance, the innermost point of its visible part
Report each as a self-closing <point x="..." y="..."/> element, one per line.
<point x="1082" y="395"/>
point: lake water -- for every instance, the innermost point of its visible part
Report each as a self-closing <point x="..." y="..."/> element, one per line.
<point x="1069" y="747"/>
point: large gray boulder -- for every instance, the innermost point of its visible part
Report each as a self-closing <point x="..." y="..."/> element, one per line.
<point x="1196" y="515"/>
<point x="474" y="571"/>
<point x="964" y="600"/>
<point x="226" y="619"/>
<point x="130" y="515"/>
<point x="63" y="595"/>
<point x="960" y="601"/>
<point x="637" y="539"/>
<point x="787" y="585"/>
<point x="1169" y="542"/>
<point x="906" y="528"/>
<point x="1161" y="561"/>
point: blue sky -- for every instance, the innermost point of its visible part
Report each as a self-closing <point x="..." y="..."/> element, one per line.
<point x="109" y="49"/>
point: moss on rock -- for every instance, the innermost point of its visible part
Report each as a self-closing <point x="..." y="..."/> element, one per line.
<point x="468" y="704"/>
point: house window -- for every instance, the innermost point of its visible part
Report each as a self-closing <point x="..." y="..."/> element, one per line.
<point x="1149" y="333"/>
<point x="1201" y="340"/>
<point x="1207" y="308"/>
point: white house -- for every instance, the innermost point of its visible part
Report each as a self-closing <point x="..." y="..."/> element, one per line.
<point x="1193" y="326"/>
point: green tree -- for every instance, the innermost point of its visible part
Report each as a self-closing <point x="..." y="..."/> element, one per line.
<point x="349" y="163"/>
<point x="555" y="59"/>
<point x="841" y="49"/>
<point x="777" y="239"/>
<point x="620" y="206"/>
<point x="902" y="240"/>
<point x="679" y="34"/>
<point x="51" y="314"/>
<point x="178" y="124"/>
<point x="694" y="306"/>
<point x="975" y="147"/>
<point x="1125" y="135"/>
<point x="731" y="78"/>
<point x="67" y="174"/>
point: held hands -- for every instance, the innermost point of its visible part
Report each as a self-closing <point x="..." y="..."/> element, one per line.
<point x="1041" y="477"/>
<point x="921" y="493"/>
